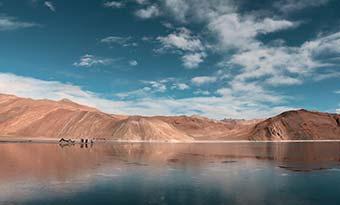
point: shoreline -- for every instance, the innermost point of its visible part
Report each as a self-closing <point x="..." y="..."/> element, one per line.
<point x="56" y="141"/>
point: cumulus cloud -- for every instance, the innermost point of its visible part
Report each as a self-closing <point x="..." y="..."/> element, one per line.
<point x="149" y="12"/>
<point x="88" y="60"/>
<point x="256" y="66"/>
<point x="50" y="5"/>
<point x="157" y="86"/>
<point x="197" y="11"/>
<point x="285" y="65"/>
<point x="201" y="92"/>
<point x="222" y="19"/>
<point x="238" y="32"/>
<point x="183" y="41"/>
<point x="153" y="87"/>
<point x="113" y="4"/>
<point x="192" y="60"/>
<point x="180" y="86"/>
<point x="133" y="63"/>
<point x="10" y="23"/>
<point x="201" y="80"/>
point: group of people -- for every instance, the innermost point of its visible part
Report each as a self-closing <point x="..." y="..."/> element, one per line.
<point x="70" y="141"/>
<point x="86" y="141"/>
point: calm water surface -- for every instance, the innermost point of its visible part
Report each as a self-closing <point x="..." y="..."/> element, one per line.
<point x="244" y="173"/>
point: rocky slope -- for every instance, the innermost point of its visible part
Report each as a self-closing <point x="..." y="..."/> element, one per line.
<point x="145" y="128"/>
<point x="298" y="125"/>
<point x="46" y="118"/>
<point x="22" y="117"/>
<point x="202" y="128"/>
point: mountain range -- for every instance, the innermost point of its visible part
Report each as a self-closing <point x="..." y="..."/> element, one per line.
<point x="25" y="117"/>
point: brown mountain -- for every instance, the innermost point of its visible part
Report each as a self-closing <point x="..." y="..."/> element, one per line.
<point x="298" y="125"/>
<point x="23" y="117"/>
<point x="46" y="118"/>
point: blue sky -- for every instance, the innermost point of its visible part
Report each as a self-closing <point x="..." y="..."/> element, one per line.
<point x="217" y="58"/>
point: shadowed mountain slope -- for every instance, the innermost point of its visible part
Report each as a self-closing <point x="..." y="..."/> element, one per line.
<point x="298" y="125"/>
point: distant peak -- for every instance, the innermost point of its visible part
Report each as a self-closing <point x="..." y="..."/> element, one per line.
<point x="66" y="100"/>
<point x="69" y="102"/>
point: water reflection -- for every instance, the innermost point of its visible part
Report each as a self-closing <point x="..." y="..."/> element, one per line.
<point x="60" y="161"/>
<point x="65" y="171"/>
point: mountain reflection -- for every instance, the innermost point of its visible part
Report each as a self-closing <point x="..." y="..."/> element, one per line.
<point x="51" y="160"/>
<point x="33" y="172"/>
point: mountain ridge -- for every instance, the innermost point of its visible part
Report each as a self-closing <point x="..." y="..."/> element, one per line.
<point x="25" y="117"/>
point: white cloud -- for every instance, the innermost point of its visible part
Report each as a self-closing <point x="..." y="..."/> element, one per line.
<point x="287" y="65"/>
<point x="154" y="87"/>
<point x="90" y="60"/>
<point x="50" y="5"/>
<point x="192" y="60"/>
<point x="283" y="80"/>
<point x="149" y="12"/>
<point x="201" y="80"/>
<point x="326" y="75"/>
<point x="177" y="8"/>
<point x="327" y="47"/>
<point x="11" y="23"/>
<point x="182" y="40"/>
<point x="287" y="6"/>
<point x="157" y="86"/>
<point x="123" y="41"/>
<point x="239" y="32"/>
<point x="255" y="66"/>
<point x="201" y="92"/>
<point x="215" y="107"/>
<point x="142" y="1"/>
<point x="113" y="4"/>
<point x="180" y="86"/>
<point x="135" y="94"/>
<point x="250" y="94"/>
<point x="261" y="67"/>
<point x="251" y="65"/>
<point x="198" y="11"/>
<point x="221" y="17"/>
<point x="133" y="63"/>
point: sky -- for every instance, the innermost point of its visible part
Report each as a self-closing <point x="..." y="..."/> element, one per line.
<point x="217" y="58"/>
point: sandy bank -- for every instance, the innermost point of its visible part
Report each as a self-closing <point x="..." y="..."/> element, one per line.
<point x="56" y="141"/>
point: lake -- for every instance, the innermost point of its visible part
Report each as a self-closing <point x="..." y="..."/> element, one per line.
<point x="150" y="173"/>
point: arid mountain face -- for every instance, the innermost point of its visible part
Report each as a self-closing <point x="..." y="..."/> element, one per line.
<point x="45" y="118"/>
<point x="298" y="125"/>
<point x="22" y="117"/>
